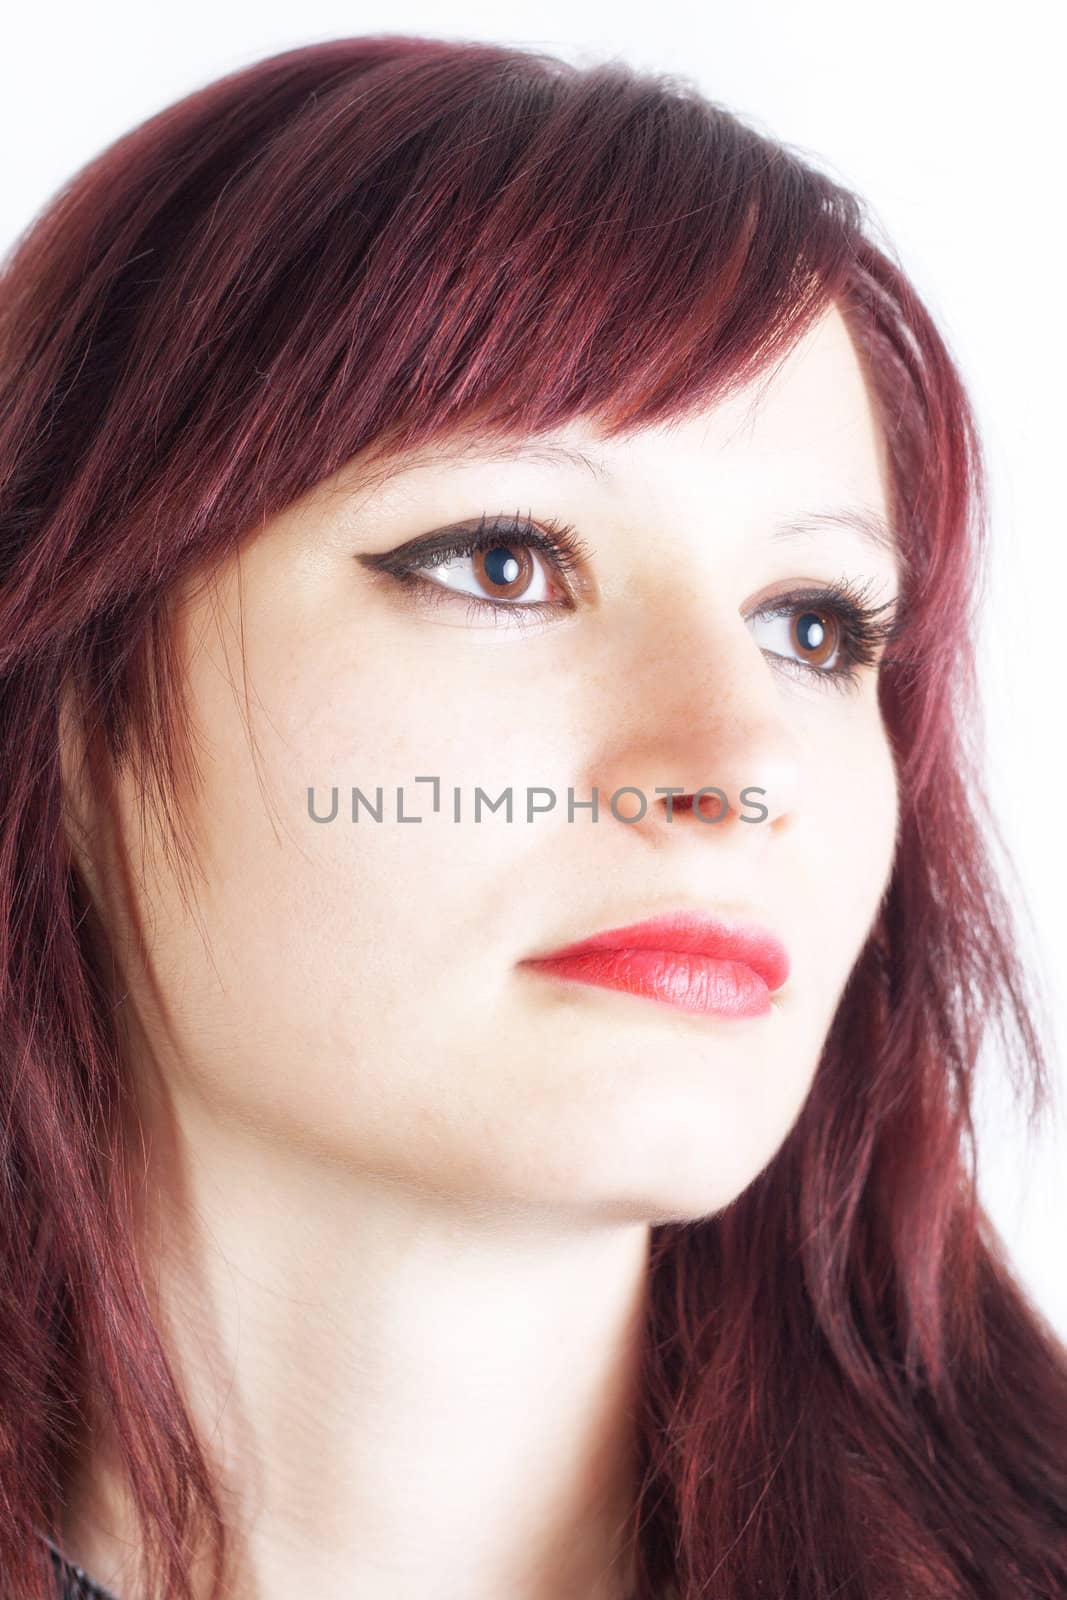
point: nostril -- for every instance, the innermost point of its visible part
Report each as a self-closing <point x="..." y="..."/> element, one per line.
<point x="712" y="804"/>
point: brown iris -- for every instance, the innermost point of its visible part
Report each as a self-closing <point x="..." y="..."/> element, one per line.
<point x="505" y="570"/>
<point x="816" y="635"/>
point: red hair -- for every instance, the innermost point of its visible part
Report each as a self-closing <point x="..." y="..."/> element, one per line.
<point x="844" y="1389"/>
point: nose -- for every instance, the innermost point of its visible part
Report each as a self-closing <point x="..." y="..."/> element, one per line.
<point x="694" y="733"/>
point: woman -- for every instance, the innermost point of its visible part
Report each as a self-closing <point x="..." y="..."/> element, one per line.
<point x="398" y="422"/>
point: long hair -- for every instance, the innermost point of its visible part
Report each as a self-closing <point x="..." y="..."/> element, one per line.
<point x="844" y="1388"/>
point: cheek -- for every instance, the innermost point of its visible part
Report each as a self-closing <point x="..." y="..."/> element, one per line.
<point x="465" y="717"/>
<point x="873" y="813"/>
<point x="325" y="937"/>
<point x="854" y="814"/>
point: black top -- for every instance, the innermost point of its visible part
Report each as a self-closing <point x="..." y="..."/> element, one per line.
<point x="71" y="1582"/>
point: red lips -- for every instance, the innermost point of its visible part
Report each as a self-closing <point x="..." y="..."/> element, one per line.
<point x="687" y="960"/>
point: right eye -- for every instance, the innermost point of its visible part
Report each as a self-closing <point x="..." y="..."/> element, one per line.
<point x="500" y="573"/>
<point x="501" y="564"/>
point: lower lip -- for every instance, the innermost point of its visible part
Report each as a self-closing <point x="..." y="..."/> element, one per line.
<point x="686" y="982"/>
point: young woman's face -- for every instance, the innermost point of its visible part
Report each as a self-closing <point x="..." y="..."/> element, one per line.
<point x="361" y="998"/>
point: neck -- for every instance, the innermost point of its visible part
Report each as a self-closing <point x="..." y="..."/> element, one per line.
<point x="388" y="1386"/>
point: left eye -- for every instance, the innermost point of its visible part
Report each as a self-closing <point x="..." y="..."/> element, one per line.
<point x="809" y="635"/>
<point x="502" y="572"/>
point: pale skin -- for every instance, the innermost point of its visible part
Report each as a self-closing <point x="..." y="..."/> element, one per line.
<point x="400" y="1190"/>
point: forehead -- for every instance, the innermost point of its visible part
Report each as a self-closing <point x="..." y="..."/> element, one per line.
<point x="812" y="414"/>
<point x="801" y="443"/>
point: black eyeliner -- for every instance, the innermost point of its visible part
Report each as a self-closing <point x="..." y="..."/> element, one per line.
<point x="554" y="539"/>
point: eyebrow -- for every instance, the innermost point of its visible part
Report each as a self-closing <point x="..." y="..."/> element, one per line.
<point x="545" y="451"/>
<point x="870" y="525"/>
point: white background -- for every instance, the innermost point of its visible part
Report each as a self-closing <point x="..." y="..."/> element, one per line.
<point x="947" y="118"/>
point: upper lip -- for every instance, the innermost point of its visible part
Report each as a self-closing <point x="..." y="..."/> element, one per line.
<point x="692" y="933"/>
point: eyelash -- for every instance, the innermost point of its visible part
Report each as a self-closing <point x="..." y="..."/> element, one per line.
<point x="865" y="628"/>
